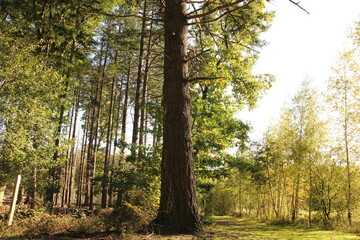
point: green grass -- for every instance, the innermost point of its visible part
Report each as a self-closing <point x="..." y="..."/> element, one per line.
<point x="239" y="228"/>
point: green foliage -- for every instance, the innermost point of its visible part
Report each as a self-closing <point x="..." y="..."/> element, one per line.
<point x="230" y="51"/>
<point x="233" y="43"/>
<point x="26" y="113"/>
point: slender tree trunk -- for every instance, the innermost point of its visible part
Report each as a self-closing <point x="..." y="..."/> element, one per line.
<point x="347" y="158"/>
<point x="142" y="135"/>
<point x="73" y="150"/>
<point x="115" y="128"/>
<point x="65" y="189"/>
<point x="143" y="113"/>
<point x="156" y="133"/>
<point x="240" y="196"/>
<point x="123" y="129"/>
<point x="82" y="173"/>
<point x="295" y="199"/>
<point x="33" y="190"/>
<point x="178" y="212"/>
<point x="90" y="159"/>
<point x="271" y="192"/>
<point x="97" y="138"/>
<point x="310" y="196"/>
<point x="91" y="139"/>
<point x="138" y="84"/>
<point x="55" y="172"/>
<point x="117" y="121"/>
<point x="105" y="185"/>
<point x="124" y="115"/>
<point x="94" y="134"/>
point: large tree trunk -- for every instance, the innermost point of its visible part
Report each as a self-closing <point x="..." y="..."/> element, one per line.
<point x="178" y="211"/>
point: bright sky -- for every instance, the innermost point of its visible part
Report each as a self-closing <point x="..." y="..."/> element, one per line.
<point x="300" y="46"/>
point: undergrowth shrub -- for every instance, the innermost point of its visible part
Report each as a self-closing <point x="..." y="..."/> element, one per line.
<point x="282" y="221"/>
<point x="131" y="217"/>
<point x="355" y="228"/>
<point x="40" y="222"/>
<point x="30" y="223"/>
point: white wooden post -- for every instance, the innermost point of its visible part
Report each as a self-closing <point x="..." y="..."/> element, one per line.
<point x="2" y="192"/>
<point x="13" y="200"/>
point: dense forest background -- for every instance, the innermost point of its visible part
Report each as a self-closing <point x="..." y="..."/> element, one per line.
<point x="81" y="114"/>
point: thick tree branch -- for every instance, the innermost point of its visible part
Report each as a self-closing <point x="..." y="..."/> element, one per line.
<point x="219" y="17"/>
<point x="298" y="4"/>
<point x="197" y="2"/>
<point x="234" y="42"/>
<point x="197" y="55"/>
<point x="228" y="5"/>
<point x="203" y="78"/>
<point x="114" y="15"/>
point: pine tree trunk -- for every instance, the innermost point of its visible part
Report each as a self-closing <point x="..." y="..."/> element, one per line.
<point x="117" y="121"/>
<point x="89" y="158"/>
<point x="105" y="185"/>
<point x="82" y="173"/>
<point x="178" y="212"/>
<point x="115" y="128"/>
<point x="64" y="197"/>
<point x="73" y="150"/>
<point x="55" y="172"/>
<point x="143" y="113"/>
<point x="33" y="190"/>
<point x="138" y="85"/>
<point x="124" y="115"/>
<point x="123" y="128"/>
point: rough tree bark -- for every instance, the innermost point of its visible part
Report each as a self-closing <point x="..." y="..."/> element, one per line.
<point x="178" y="208"/>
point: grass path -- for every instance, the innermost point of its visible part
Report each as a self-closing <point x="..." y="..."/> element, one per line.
<point x="238" y="228"/>
<point x="235" y="228"/>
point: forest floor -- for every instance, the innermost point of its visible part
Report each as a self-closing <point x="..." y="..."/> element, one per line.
<point x="239" y="228"/>
<point x="221" y="228"/>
